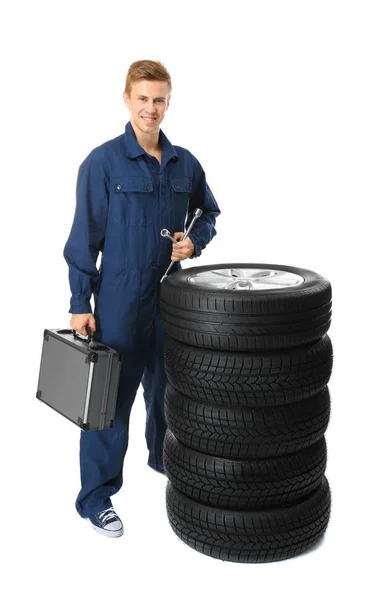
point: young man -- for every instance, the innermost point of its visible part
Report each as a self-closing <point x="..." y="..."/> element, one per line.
<point x="128" y="190"/>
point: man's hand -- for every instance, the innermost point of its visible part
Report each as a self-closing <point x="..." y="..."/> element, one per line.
<point x="182" y="250"/>
<point x="79" y="321"/>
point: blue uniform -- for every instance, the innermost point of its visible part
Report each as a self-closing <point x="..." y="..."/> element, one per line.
<point x="124" y="198"/>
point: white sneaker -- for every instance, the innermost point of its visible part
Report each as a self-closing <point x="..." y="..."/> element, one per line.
<point x="107" y="523"/>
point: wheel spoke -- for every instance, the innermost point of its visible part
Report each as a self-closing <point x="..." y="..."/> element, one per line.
<point x="237" y="273"/>
<point x="211" y="279"/>
<point x="219" y="273"/>
<point x="234" y="285"/>
<point x="261" y="274"/>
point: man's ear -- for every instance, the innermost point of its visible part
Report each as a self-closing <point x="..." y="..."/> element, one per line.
<point x="126" y="99"/>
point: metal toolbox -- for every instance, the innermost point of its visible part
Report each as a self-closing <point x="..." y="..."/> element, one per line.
<point x="79" y="378"/>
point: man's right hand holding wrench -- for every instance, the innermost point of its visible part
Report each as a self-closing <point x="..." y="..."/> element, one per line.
<point x="182" y="247"/>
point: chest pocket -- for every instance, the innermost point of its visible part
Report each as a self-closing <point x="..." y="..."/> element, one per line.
<point x="133" y="201"/>
<point x="181" y="193"/>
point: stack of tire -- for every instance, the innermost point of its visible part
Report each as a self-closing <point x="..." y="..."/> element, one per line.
<point x="248" y="360"/>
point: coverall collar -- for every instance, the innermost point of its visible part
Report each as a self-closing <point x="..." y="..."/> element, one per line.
<point x="133" y="148"/>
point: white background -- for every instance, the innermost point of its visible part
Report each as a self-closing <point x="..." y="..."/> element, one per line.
<point x="282" y="103"/>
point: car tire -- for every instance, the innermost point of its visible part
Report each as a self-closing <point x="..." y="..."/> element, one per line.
<point x="239" y="316"/>
<point x="243" y="484"/>
<point x="250" y="536"/>
<point x="243" y="432"/>
<point x="266" y="378"/>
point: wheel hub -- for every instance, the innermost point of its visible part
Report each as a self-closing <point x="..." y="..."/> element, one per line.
<point x="245" y="279"/>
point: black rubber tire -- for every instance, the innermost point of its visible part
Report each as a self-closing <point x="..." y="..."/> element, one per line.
<point x="243" y="432"/>
<point x="243" y="485"/>
<point x="250" y="536"/>
<point x="245" y="320"/>
<point x="263" y="379"/>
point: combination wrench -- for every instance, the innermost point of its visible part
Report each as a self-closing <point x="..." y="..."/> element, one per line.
<point x="165" y="233"/>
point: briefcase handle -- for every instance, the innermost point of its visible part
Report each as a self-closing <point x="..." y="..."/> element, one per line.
<point x="89" y="340"/>
<point x="89" y="332"/>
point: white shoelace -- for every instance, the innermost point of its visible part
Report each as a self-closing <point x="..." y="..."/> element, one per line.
<point x="107" y="514"/>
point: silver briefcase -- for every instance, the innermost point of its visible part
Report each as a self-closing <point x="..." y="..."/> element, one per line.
<point x="79" y="378"/>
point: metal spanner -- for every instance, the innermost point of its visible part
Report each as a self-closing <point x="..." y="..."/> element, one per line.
<point x="165" y="233"/>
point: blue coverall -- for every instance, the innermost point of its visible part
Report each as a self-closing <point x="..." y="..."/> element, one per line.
<point x="124" y="197"/>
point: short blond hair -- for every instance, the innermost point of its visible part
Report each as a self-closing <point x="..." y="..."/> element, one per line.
<point x="153" y="70"/>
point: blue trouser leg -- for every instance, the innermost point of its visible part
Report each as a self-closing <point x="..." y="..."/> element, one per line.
<point x="102" y="452"/>
<point x="154" y="381"/>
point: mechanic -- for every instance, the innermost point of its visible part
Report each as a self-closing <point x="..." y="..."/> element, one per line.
<point x="129" y="189"/>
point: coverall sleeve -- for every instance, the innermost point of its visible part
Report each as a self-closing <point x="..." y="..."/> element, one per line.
<point x="87" y="234"/>
<point x="203" y="230"/>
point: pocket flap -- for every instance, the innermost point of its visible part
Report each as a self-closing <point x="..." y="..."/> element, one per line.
<point x="181" y="184"/>
<point x="133" y="183"/>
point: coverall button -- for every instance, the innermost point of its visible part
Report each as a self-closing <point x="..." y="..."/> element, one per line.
<point x="146" y="187"/>
<point x="118" y="187"/>
<point x="177" y="187"/>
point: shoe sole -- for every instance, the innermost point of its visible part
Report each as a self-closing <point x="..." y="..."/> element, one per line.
<point x="117" y="533"/>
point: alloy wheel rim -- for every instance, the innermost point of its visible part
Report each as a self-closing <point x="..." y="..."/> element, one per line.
<point x="245" y="279"/>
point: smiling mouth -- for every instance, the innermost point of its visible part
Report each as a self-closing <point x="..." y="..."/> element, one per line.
<point x="150" y="119"/>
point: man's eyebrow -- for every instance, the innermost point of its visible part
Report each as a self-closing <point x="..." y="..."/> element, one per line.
<point x="142" y="96"/>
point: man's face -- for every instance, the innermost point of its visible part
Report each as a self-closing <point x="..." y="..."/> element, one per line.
<point x="148" y="99"/>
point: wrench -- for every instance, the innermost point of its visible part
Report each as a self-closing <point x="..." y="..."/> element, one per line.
<point x="165" y="233"/>
<point x="196" y="215"/>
